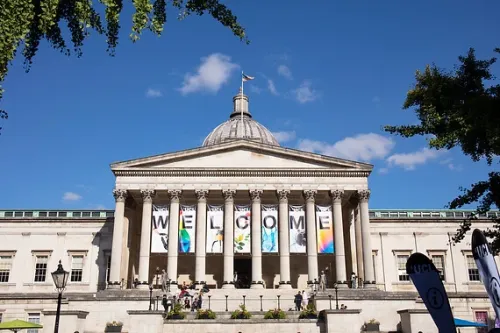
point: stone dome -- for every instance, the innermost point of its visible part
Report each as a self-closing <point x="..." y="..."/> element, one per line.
<point x="240" y="125"/>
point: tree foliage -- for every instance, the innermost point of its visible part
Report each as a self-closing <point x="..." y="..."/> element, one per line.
<point x="27" y="22"/>
<point x="461" y="108"/>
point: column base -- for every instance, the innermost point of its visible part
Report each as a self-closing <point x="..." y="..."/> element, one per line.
<point x="115" y="285"/>
<point x="257" y="285"/>
<point x="342" y="285"/>
<point x="199" y="284"/>
<point x="370" y="285"/>
<point x="285" y="285"/>
<point x="228" y="285"/>
<point x="143" y="286"/>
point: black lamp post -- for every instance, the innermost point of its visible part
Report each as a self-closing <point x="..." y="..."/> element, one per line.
<point x="226" y="302"/>
<point x="60" y="277"/>
<point x="260" y="302"/>
<point x="336" y="287"/>
<point x="157" y="275"/>
<point x="330" y="298"/>
<point x="150" y="296"/>
<point x="157" y="301"/>
<point x="209" y="296"/>
<point x="279" y="308"/>
<point x="244" y="297"/>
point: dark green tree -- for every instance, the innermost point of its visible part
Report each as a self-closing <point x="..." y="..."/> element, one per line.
<point x="27" y="22"/>
<point x="461" y="108"/>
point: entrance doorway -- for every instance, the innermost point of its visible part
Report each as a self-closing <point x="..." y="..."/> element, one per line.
<point x="243" y="270"/>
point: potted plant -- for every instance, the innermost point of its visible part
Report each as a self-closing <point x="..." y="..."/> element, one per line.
<point x="275" y="314"/>
<point x="241" y="313"/>
<point x="114" y="326"/>
<point x="309" y="312"/>
<point x="176" y="312"/>
<point x="372" y="326"/>
<point x="205" y="314"/>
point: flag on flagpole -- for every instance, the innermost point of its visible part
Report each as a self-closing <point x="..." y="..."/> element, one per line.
<point x="246" y="78"/>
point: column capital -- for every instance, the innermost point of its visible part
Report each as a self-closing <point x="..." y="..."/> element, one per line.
<point x="174" y="195"/>
<point x="310" y="195"/>
<point x="363" y="195"/>
<point x="255" y="194"/>
<point x="229" y="194"/>
<point x="283" y="195"/>
<point x="337" y="195"/>
<point x="147" y="196"/>
<point x="120" y="195"/>
<point x="201" y="194"/>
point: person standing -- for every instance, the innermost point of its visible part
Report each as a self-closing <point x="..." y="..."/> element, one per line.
<point x="322" y="281"/>
<point x="298" y="301"/>
<point x="354" y="279"/>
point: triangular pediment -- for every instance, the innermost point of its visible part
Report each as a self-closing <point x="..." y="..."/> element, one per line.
<point x="241" y="154"/>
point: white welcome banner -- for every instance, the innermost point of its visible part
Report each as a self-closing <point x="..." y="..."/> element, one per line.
<point x="269" y="228"/>
<point x="215" y="229"/>
<point x="159" y="230"/>
<point x="297" y="223"/>
<point x="242" y="217"/>
<point x="324" y="229"/>
<point x="187" y="229"/>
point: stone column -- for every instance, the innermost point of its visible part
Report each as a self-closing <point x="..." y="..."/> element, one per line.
<point x="369" y="279"/>
<point x="256" y="240"/>
<point x="117" y="243"/>
<point x="338" y="230"/>
<point x="228" y="282"/>
<point x="201" y="230"/>
<point x="144" y="250"/>
<point x="284" y="240"/>
<point x="312" y="246"/>
<point x="359" y="243"/>
<point x="173" y="238"/>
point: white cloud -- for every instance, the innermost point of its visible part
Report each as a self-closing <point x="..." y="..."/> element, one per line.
<point x="285" y="72"/>
<point x="284" y="136"/>
<point x="213" y="72"/>
<point x="362" y="147"/>
<point x="383" y="171"/>
<point x="271" y="87"/>
<point x="71" y="196"/>
<point x="450" y="165"/>
<point x="304" y="93"/>
<point x="409" y="161"/>
<point x="153" y="93"/>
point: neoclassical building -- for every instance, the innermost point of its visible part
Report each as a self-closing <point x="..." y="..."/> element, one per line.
<point x="254" y="221"/>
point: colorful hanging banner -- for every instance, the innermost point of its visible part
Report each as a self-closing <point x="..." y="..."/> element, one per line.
<point x="159" y="229"/>
<point x="487" y="267"/>
<point x="324" y="229"/>
<point x="297" y="219"/>
<point x="427" y="280"/>
<point x="187" y="229"/>
<point x="242" y="230"/>
<point x="269" y="228"/>
<point x="215" y="229"/>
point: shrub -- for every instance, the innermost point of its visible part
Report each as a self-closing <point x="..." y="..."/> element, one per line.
<point x="275" y="314"/>
<point x="241" y="313"/>
<point x="114" y="324"/>
<point x="176" y="312"/>
<point x="205" y="314"/>
<point x="309" y="312"/>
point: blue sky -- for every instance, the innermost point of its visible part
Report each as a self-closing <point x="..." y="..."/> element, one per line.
<point x="328" y="77"/>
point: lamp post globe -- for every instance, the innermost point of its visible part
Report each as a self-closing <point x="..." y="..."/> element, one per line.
<point x="60" y="277"/>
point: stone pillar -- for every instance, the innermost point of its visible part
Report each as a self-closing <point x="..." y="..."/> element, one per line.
<point x="352" y="239"/>
<point x="201" y="230"/>
<point x="369" y="279"/>
<point x="312" y="246"/>
<point x="147" y="211"/>
<point x="338" y="230"/>
<point x="359" y="244"/>
<point x="173" y="238"/>
<point x="228" y="282"/>
<point x="256" y="240"/>
<point x="116" y="247"/>
<point x="284" y="240"/>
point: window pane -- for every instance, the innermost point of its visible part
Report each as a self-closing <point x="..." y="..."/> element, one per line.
<point x="472" y="270"/>
<point x="438" y="261"/>
<point x="33" y="318"/>
<point x="5" y="267"/>
<point x="41" y="268"/>
<point x="76" y="269"/>
<point x="401" y="262"/>
<point x="482" y="317"/>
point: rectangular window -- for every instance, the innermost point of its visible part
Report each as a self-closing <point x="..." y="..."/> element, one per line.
<point x="108" y="267"/>
<point x="374" y="258"/>
<point x="472" y="270"/>
<point x="482" y="317"/>
<point x="5" y="267"/>
<point x="76" y="268"/>
<point x="33" y="318"/>
<point x="401" y="260"/>
<point x="438" y="261"/>
<point x="41" y="268"/>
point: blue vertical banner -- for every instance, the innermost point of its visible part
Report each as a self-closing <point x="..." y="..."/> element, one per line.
<point x="426" y="279"/>
<point x="269" y="228"/>
<point x="487" y="267"/>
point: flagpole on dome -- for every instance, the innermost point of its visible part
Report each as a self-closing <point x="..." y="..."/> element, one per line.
<point x="244" y="78"/>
